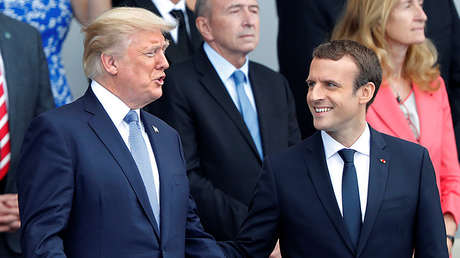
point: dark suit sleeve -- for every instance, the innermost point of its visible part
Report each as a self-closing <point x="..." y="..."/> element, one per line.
<point x="430" y="235"/>
<point x="181" y="117"/>
<point x="45" y="97"/>
<point x="259" y="231"/>
<point x="45" y="187"/>
<point x="198" y="243"/>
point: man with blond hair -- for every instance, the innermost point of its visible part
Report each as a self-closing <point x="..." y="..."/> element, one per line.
<point x="100" y="177"/>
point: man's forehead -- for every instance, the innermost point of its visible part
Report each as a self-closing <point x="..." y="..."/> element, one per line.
<point x="230" y="3"/>
<point x="327" y="69"/>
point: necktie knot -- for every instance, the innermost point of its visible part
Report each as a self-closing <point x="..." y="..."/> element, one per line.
<point x="347" y="155"/>
<point x="131" y="117"/>
<point x="178" y="14"/>
<point x="238" y="77"/>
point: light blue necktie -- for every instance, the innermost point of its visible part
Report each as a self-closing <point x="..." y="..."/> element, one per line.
<point x="247" y="111"/>
<point x="351" y="204"/>
<point x="141" y="156"/>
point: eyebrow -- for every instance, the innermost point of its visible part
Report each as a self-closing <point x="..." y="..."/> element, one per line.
<point x="233" y="6"/>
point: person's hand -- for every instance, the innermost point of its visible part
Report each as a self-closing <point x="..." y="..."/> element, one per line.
<point x="451" y="228"/>
<point x="276" y="252"/>
<point x="449" y="246"/>
<point x="9" y="213"/>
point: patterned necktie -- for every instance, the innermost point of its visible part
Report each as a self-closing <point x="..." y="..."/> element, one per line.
<point x="4" y="132"/>
<point x="141" y="156"/>
<point x="350" y="196"/>
<point x="247" y="111"/>
<point x="183" y="41"/>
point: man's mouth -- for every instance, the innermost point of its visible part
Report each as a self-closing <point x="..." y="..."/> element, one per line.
<point x="322" y="109"/>
<point x="160" y="79"/>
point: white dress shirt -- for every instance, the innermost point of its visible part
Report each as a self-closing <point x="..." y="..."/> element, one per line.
<point x="225" y="70"/>
<point x="361" y="161"/>
<point x="117" y="110"/>
<point x="164" y="7"/>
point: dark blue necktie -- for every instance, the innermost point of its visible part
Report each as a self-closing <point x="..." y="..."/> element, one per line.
<point x="350" y="196"/>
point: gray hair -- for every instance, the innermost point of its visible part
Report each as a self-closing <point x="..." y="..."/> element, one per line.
<point x="202" y="8"/>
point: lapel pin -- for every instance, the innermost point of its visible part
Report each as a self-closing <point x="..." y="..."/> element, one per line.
<point x="383" y="161"/>
<point x="155" y="129"/>
<point x="7" y="35"/>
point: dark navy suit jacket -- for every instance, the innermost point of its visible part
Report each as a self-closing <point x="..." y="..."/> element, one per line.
<point x="294" y="200"/>
<point x="81" y="195"/>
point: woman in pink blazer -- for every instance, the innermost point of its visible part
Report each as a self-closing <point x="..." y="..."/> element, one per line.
<point x="412" y="102"/>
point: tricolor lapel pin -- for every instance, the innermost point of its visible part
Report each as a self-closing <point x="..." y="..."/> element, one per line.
<point x="155" y="129"/>
<point x="383" y="161"/>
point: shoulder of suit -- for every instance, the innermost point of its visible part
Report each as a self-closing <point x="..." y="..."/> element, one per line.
<point x="293" y="153"/>
<point x="181" y="66"/>
<point x="17" y="27"/>
<point x="400" y="144"/>
<point x="265" y="72"/>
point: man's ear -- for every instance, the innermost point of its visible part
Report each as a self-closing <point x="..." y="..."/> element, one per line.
<point x="109" y="63"/>
<point x="366" y="92"/>
<point x="202" y="24"/>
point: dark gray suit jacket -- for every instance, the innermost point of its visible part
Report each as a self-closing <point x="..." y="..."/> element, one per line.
<point x="29" y="91"/>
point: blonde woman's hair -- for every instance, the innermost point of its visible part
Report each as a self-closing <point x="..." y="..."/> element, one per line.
<point x="365" y="21"/>
<point x="110" y="33"/>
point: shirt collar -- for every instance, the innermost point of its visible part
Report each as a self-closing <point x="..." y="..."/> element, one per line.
<point x="165" y="6"/>
<point x="223" y="67"/>
<point x="362" y="145"/>
<point x="115" y="107"/>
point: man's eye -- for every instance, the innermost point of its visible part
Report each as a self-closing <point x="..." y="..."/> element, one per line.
<point x="150" y="54"/>
<point x="310" y="84"/>
<point x="331" y="84"/>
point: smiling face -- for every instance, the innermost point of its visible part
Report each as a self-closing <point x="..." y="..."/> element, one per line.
<point x="232" y="27"/>
<point x="140" y="69"/>
<point x="336" y="107"/>
<point x="406" y="23"/>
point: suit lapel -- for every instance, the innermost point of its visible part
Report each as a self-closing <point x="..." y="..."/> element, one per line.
<point x="9" y="59"/>
<point x="213" y="84"/>
<point x="387" y="108"/>
<point x="106" y="131"/>
<point x="263" y="104"/>
<point x="166" y="190"/>
<point x="318" y="172"/>
<point x="378" y="174"/>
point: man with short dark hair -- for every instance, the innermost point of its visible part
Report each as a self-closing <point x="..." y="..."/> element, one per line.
<point x="348" y="191"/>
